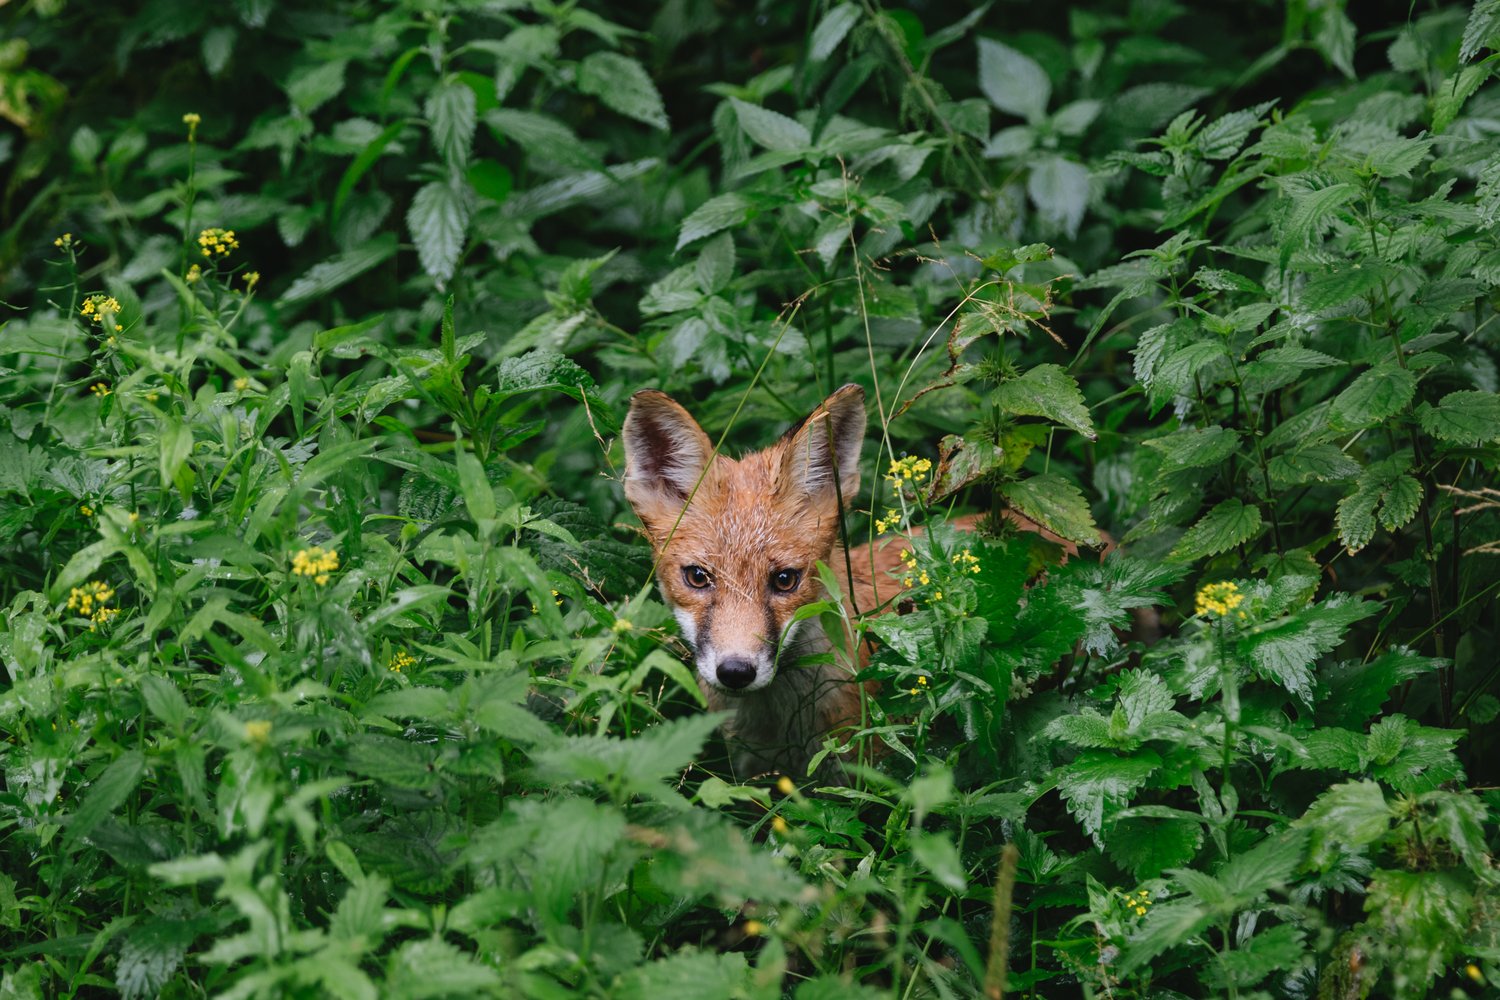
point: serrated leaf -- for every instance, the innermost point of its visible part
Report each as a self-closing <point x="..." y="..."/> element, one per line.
<point x="771" y="129"/>
<point x="1286" y="650"/>
<point x="832" y="30"/>
<point x="1310" y="212"/>
<point x="1373" y="398"/>
<point x="433" y="968"/>
<point x="1098" y="784"/>
<point x="1013" y="81"/>
<point x="452" y="116"/>
<point x="1055" y="504"/>
<point x="685" y="975"/>
<point x="164" y="701"/>
<point x="106" y="793"/>
<point x="1230" y="523"/>
<point x="1403" y="495"/>
<point x="718" y="213"/>
<point x="542" y="136"/>
<point x="338" y="270"/>
<point x="1342" y="284"/>
<point x="438" y="219"/>
<point x="1323" y="463"/>
<point x="1350" y="816"/>
<point x="1357" y="690"/>
<point x="1046" y="391"/>
<point x="1147" y="845"/>
<point x="1279" y="949"/>
<point x="1467" y="417"/>
<point x="1195" y="447"/>
<point x="623" y="85"/>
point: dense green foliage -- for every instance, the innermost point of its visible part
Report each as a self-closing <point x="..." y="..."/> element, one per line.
<point x="332" y="666"/>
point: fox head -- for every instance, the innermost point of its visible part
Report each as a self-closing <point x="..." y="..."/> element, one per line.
<point x="737" y="541"/>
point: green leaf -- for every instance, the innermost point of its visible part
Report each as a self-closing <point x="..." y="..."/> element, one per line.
<point x="1341" y="284"/>
<point x="1280" y="366"/>
<point x="312" y="85"/>
<point x="1195" y="447"/>
<point x="1382" y="482"/>
<point x="1281" y="949"/>
<point x="1046" y="391"/>
<point x="1323" y="463"/>
<point x="338" y="270"/>
<point x="832" y="30"/>
<point x="1373" y="398"/>
<point x="685" y="975"/>
<point x="1356" y="690"/>
<point x="1347" y="817"/>
<point x="1310" y="212"/>
<point x="438" y="219"/>
<point x="452" y="116"/>
<point x="542" y="136"/>
<point x="165" y="701"/>
<point x="434" y="968"/>
<point x="1429" y="914"/>
<point x="1059" y="188"/>
<point x="623" y="85"/>
<point x="1467" y="417"/>
<point x="1147" y="845"/>
<point x="1097" y="785"/>
<point x="1230" y="523"/>
<point x="718" y="213"/>
<point x="1286" y="650"/>
<point x="771" y="129"/>
<point x="936" y="853"/>
<point x="1013" y="81"/>
<point x="106" y="793"/>
<point x="1055" y="504"/>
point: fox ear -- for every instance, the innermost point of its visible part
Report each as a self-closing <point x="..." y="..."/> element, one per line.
<point x="665" y="455"/>
<point x="826" y="445"/>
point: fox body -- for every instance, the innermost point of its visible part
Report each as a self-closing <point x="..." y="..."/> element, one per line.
<point x="737" y="542"/>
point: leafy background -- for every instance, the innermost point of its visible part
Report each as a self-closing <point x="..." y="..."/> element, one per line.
<point x="1219" y="280"/>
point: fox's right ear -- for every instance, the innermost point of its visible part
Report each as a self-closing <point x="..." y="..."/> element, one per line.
<point x="665" y="455"/>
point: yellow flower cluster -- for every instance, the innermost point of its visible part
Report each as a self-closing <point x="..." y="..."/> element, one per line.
<point x="64" y="241"/>
<point x="909" y="469"/>
<point x="217" y="241"/>
<point x="966" y="561"/>
<point x="921" y="683"/>
<point x="252" y="278"/>
<point x="622" y="625"/>
<point x="1138" y="902"/>
<point x="85" y="510"/>
<point x="316" y="562"/>
<point x="92" y="602"/>
<point x="913" y="575"/>
<point x="192" y="119"/>
<point x="241" y="384"/>
<point x="892" y="519"/>
<point x="556" y="599"/>
<point x="1220" y="598"/>
<point x="99" y="389"/>
<point x="193" y="275"/>
<point x="401" y="660"/>
<point x="101" y="309"/>
<point x="258" y="731"/>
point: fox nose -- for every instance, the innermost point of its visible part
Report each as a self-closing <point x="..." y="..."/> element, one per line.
<point x="736" y="672"/>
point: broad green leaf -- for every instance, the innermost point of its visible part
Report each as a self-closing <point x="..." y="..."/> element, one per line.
<point x="1281" y="949"/>
<point x="1098" y="784"/>
<point x="434" y="968"/>
<point x="685" y="975"/>
<point x="1310" y="213"/>
<point x="542" y="136"/>
<point x="1356" y="690"/>
<point x="936" y="853"/>
<point x="1046" y="391"/>
<point x="1285" y="651"/>
<point x="105" y="794"/>
<point x="1055" y="504"/>
<point x="1466" y="417"/>
<point x="438" y="220"/>
<point x="1013" y="81"/>
<point x="1230" y="523"/>
<point x="717" y="213"/>
<point x="771" y="129"/>
<point x="1350" y="816"/>
<point x="338" y="270"/>
<point x="1323" y="463"/>
<point x="313" y="84"/>
<point x="623" y="85"/>
<point x="165" y="701"/>
<point x="1195" y="447"/>
<point x="1341" y="284"/>
<point x="1429" y="913"/>
<point x="1059" y="188"/>
<point x="1147" y="846"/>
<point x="451" y="114"/>
<point x="832" y="30"/>
<point x="1373" y="398"/>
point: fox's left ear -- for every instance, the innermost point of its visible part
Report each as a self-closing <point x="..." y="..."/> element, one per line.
<point x="826" y="445"/>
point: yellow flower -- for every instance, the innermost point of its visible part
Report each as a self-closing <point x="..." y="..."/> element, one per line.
<point x="779" y="825"/>
<point x="316" y="562"/>
<point x="400" y="660"/>
<point x="908" y="469"/>
<point x="85" y="510"/>
<point x="622" y="625"/>
<point x="101" y="309"/>
<point x="937" y="595"/>
<point x="966" y="560"/>
<point x="64" y="241"/>
<point x="192" y="119"/>
<point x="921" y="681"/>
<point x="913" y="691"/>
<point x="241" y="384"/>
<point x="1472" y="971"/>
<point x="754" y="928"/>
<point x="252" y="278"/>
<point x="892" y="519"/>
<point x="92" y="602"/>
<point x="1219" y="598"/>
<point x="216" y="241"/>
<point x="924" y="579"/>
<point x="193" y="274"/>
<point x="258" y="731"/>
<point x="784" y="785"/>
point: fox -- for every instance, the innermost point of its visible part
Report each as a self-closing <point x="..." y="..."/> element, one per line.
<point x="736" y="544"/>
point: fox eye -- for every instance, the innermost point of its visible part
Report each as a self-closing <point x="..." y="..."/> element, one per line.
<point x="785" y="580"/>
<point x="697" y="577"/>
